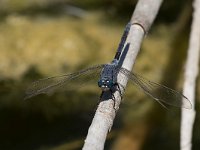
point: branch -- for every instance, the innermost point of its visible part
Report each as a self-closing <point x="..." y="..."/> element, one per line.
<point x="191" y="72"/>
<point x="142" y="19"/>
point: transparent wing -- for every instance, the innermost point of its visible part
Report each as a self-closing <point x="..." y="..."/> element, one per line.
<point x="158" y="92"/>
<point x="49" y="85"/>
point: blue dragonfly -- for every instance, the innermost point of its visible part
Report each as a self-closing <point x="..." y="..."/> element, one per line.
<point x="108" y="80"/>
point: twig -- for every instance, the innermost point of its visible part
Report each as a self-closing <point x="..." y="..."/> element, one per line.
<point x="191" y="72"/>
<point x="142" y="19"/>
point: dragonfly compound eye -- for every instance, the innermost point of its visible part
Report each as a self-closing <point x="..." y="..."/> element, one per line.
<point x="102" y="83"/>
<point x="109" y="84"/>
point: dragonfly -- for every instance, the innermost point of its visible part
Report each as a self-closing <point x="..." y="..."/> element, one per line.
<point x="108" y="80"/>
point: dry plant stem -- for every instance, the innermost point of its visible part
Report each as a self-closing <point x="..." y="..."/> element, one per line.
<point x="105" y="113"/>
<point x="145" y="13"/>
<point x="191" y="72"/>
<point x="143" y="17"/>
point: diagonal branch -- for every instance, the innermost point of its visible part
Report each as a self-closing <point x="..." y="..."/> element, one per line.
<point x="142" y="19"/>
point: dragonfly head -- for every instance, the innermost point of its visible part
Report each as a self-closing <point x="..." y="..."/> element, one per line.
<point x="105" y="84"/>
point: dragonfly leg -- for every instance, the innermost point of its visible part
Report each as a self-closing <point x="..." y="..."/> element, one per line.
<point x="119" y="89"/>
<point x="100" y="97"/>
<point x="113" y="98"/>
<point x="98" y="102"/>
<point x="118" y="86"/>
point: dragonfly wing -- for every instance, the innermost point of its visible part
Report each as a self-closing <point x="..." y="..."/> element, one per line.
<point x="49" y="85"/>
<point x="158" y="92"/>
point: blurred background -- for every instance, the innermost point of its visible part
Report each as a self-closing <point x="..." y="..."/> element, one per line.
<point x="41" y="38"/>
